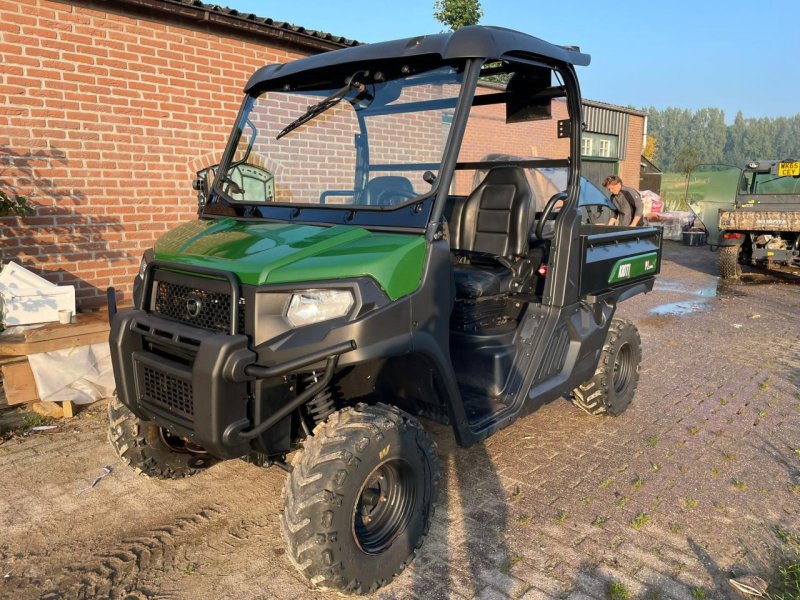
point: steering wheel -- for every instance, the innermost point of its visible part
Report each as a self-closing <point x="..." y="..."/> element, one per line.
<point x="548" y="208"/>
<point x="389" y="197"/>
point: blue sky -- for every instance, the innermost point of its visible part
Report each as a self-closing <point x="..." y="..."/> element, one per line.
<point x="678" y="53"/>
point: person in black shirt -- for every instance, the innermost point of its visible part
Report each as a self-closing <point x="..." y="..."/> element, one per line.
<point x="630" y="210"/>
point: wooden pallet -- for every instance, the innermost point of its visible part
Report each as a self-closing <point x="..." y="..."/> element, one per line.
<point x="18" y="382"/>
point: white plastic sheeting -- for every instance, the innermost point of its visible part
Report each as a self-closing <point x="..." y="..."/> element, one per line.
<point x="82" y="374"/>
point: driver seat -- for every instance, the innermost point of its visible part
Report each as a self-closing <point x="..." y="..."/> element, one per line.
<point x="495" y="221"/>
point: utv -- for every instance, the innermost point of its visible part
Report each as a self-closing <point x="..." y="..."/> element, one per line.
<point x="358" y="265"/>
<point x="762" y="227"/>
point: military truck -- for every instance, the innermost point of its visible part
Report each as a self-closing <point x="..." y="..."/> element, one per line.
<point x="347" y="280"/>
<point x="762" y="228"/>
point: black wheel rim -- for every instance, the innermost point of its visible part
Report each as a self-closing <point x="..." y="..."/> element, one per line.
<point x="384" y="506"/>
<point x="623" y="368"/>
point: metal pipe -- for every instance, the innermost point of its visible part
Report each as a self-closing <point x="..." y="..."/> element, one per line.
<point x="291" y="406"/>
<point x="261" y="372"/>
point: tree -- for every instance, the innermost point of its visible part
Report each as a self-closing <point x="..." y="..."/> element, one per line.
<point x="686" y="159"/>
<point x="650" y="151"/>
<point x="456" y="14"/>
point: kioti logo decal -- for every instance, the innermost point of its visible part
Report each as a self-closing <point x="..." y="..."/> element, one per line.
<point x="624" y="270"/>
<point x="193" y="306"/>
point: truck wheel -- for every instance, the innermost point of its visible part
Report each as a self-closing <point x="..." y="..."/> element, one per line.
<point x="613" y="385"/>
<point x="729" y="267"/>
<point x="360" y="498"/>
<point x="147" y="448"/>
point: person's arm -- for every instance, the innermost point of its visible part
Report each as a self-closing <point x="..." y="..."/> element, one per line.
<point x="638" y="205"/>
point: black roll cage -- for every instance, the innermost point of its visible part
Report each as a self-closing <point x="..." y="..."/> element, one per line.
<point x="424" y="213"/>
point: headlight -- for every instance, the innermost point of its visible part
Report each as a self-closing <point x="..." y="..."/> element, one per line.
<point x="313" y="306"/>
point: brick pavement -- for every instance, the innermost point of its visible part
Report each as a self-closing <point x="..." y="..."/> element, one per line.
<point x="694" y="482"/>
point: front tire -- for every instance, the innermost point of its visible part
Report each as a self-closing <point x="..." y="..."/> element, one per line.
<point x="360" y="498"/>
<point x="613" y="385"/>
<point x="729" y="267"/>
<point x="150" y="450"/>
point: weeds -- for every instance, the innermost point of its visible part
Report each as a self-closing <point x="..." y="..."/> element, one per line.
<point x="618" y="591"/>
<point x="599" y="521"/>
<point x="640" y="520"/>
<point x="690" y="502"/>
<point x="698" y="593"/>
<point x="739" y="484"/>
<point x="512" y="561"/>
<point x="637" y="483"/>
<point x="652" y="442"/>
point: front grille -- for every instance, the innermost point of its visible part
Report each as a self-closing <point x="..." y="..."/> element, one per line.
<point x="165" y="389"/>
<point x="209" y="310"/>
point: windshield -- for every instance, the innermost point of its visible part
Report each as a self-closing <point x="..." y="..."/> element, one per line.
<point x="367" y="144"/>
<point x="754" y="183"/>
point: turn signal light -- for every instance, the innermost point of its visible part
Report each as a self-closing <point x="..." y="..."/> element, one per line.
<point x="731" y="236"/>
<point x="542" y="270"/>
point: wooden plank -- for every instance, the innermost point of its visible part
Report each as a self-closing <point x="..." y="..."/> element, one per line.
<point x="25" y="348"/>
<point x="18" y="383"/>
<point x="69" y="409"/>
<point x="85" y="323"/>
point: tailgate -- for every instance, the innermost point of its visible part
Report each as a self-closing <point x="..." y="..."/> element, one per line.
<point x="612" y="257"/>
<point x="759" y="220"/>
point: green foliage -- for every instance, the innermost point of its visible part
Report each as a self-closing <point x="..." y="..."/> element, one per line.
<point x="685" y="138"/>
<point x="618" y="591"/>
<point x="456" y="14"/>
<point x="788" y="587"/>
<point x="14" y="204"/>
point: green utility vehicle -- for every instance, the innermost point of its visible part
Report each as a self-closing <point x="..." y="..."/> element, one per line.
<point x="762" y="227"/>
<point x="376" y="248"/>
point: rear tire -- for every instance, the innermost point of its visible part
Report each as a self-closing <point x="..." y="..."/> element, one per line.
<point x="613" y="385"/>
<point x="150" y="450"/>
<point x="360" y="498"/>
<point x="729" y="267"/>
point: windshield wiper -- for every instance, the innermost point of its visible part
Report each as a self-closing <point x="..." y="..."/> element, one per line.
<point x="323" y="105"/>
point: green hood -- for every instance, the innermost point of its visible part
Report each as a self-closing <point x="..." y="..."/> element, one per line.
<point x="270" y="253"/>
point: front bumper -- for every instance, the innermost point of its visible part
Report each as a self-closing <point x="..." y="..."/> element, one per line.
<point x="188" y="380"/>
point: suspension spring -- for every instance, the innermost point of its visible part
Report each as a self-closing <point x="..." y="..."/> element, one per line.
<point x="321" y="405"/>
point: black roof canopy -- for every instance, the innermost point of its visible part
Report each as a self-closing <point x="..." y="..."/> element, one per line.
<point x="468" y="42"/>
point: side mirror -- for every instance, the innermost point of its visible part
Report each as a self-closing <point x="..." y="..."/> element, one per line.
<point x="203" y="183"/>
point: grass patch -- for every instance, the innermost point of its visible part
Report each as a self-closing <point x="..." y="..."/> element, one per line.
<point x="523" y="519"/>
<point x="562" y="517"/>
<point x="640" y="520"/>
<point x="675" y="527"/>
<point x="787" y="586"/>
<point x="655" y="466"/>
<point x="586" y="500"/>
<point x="618" y="591"/>
<point x="607" y="483"/>
<point x="622" y="501"/>
<point x="698" y="593"/>
<point x="694" y="430"/>
<point x="690" y="502"/>
<point x="599" y="521"/>
<point x="637" y="483"/>
<point x="517" y="494"/>
<point x="509" y="564"/>
<point x="652" y="442"/>
<point x="739" y="484"/>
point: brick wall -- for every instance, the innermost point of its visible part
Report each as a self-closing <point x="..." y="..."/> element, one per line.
<point x="104" y="119"/>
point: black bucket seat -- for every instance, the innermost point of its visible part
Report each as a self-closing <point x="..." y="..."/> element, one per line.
<point x="492" y="235"/>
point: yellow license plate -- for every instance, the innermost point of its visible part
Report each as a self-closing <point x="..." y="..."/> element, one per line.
<point x="786" y="169"/>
